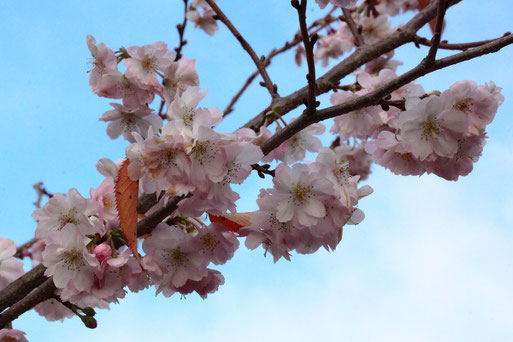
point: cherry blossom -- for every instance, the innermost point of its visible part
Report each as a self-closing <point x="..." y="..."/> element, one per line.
<point x="10" y="267"/>
<point x="126" y="121"/>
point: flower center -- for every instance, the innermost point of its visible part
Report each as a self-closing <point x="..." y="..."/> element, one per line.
<point x="69" y="217"/>
<point x="300" y="193"/>
<point x="430" y="128"/>
<point x="149" y="63"/>
<point x="73" y="260"/>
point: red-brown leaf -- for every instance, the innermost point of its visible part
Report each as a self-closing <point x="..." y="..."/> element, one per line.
<point x="233" y="222"/>
<point x="127" y="192"/>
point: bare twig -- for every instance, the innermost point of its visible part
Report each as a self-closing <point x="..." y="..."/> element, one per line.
<point x="348" y="18"/>
<point x="325" y="21"/>
<point x="437" y="35"/>
<point x="41" y="191"/>
<point x="245" y="45"/>
<point x="308" y="43"/>
<point x="20" y="250"/>
<point x="263" y="170"/>
<point x="181" y="30"/>
<point x="455" y="46"/>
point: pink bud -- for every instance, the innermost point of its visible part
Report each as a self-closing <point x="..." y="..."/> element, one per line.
<point x="103" y="252"/>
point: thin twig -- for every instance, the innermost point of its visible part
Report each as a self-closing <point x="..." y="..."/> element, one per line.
<point x="358" y="58"/>
<point x="41" y="191"/>
<point x="327" y="20"/>
<point x="20" y="250"/>
<point x="308" y="43"/>
<point x="456" y="46"/>
<point x="263" y="170"/>
<point x="348" y="18"/>
<point x="437" y="35"/>
<point x="245" y="45"/>
<point x="181" y="30"/>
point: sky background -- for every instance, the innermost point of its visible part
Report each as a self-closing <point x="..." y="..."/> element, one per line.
<point x="432" y="261"/>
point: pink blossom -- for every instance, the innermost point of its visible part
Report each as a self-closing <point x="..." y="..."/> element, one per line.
<point x="430" y="127"/>
<point x="299" y="196"/>
<point x="208" y="284"/>
<point x="104" y="62"/>
<point x="126" y="121"/>
<point x="10" y="267"/>
<point x="145" y="61"/>
<point x="341" y="3"/>
<point x="461" y="164"/>
<point x="334" y="44"/>
<point x="68" y="260"/>
<point x="61" y="211"/>
<point x="53" y="310"/>
<point x="202" y="16"/>
<point x="115" y="85"/>
<point x="178" y="77"/>
<point x="175" y="256"/>
<point x="359" y="161"/>
<point x="12" y="335"/>
<point x="389" y="151"/>
<point x="161" y="163"/>
<point x="105" y="200"/>
<point x="219" y="244"/>
<point x="475" y="101"/>
<point x="360" y="123"/>
<point x="299" y="143"/>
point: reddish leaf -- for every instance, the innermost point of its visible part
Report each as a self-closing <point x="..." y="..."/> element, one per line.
<point x="432" y="22"/>
<point x="127" y="192"/>
<point x="233" y="222"/>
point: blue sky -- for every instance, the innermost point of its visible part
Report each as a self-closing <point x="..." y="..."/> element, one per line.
<point x="432" y="260"/>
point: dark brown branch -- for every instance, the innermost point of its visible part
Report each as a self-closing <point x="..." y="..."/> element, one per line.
<point x="437" y="35"/>
<point x="348" y="18"/>
<point x="376" y="96"/>
<point x="245" y="45"/>
<point x="456" y="46"/>
<point x="358" y="58"/>
<point x="43" y="292"/>
<point x="21" y="286"/>
<point x="308" y="44"/>
<point x="181" y="30"/>
<point x="263" y="170"/>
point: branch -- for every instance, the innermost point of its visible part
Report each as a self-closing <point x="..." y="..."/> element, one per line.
<point x="358" y="58"/>
<point x="181" y="30"/>
<point x="457" y="46"/>
<point x="437" y="35"/>
<point x="348" y="18"/>
<point x="261" y="69"/>
<point x="39" y="295"/>
<point x="21" y="286"/>
<point x="19" y="251"/>
<point x="41" y="191"/>
<point x="374" y="97"/>
<point x="325" y="21"/>
<point x="308" y="44"/>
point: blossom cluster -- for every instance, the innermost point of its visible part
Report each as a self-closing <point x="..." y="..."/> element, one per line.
<point x="176" y="152"/>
